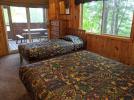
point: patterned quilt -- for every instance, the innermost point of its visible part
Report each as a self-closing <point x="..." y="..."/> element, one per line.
<point x="79" y="76"/>
<point x="47" y="49"/>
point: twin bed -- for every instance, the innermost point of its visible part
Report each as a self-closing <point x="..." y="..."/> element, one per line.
<point x="80" y="75"/>
<point x="37" y="51"/>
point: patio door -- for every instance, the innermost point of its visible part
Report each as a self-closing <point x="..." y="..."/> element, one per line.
<point x="35" y="17"/>
<point x="24" y="25"/>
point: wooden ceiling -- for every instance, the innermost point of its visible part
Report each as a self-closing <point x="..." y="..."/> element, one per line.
<point x="29" y="3"/>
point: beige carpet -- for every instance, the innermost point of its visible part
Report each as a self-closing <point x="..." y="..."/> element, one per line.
<point x="11" y="87"/>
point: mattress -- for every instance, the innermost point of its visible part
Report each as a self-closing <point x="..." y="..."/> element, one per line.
<point x="79" y="76"/>
<point x="47" y="49"/>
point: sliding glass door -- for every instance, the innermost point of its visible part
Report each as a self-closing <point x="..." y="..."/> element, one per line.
<point x="25" y="25"/>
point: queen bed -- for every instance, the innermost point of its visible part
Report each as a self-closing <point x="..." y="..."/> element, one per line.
<point x="79" y="76"/>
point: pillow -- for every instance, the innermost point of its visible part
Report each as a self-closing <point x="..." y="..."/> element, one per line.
<point x="71" y="38"/>
<point x="77" y="41"/>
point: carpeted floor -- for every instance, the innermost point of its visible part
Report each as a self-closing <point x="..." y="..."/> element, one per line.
<point x="11" y="87"/>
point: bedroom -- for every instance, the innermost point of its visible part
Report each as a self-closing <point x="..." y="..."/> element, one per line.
<point x="117" y="51"/>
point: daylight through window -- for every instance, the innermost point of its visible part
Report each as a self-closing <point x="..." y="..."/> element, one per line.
<point x="36" y="15"/>
<point x="112" y="17"/>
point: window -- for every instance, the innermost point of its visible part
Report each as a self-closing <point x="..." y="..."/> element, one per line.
<point x="6" y="19"/>
<point x="112" y="17"/>
<point x="92" y="16"/>
<point x="18" y="14"/>
<point x="6" y="16"/>
<point x="36" y="15"/>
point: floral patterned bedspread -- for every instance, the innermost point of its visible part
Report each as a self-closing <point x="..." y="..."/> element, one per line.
<point x="79" y="76"/>
<point x="47" y="49"/>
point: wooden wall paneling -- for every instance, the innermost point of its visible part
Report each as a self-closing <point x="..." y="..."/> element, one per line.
<point x="74" y="15"/>
<point x="96" y="42"/>
<point x="101" y="45"/>
<point x="82" y="34"/>
<point x="90" y="45"/>
<point x="36" y="1"/>
<point x="132" y="54"/>
<point x="52" y="14"/>
<point x="125" y="52"/>
<point x="3" y="42"/>
<point x="52" y="10"/>
<point x="110" y="49"/>
<point x="73" y="18"/>
<point x="32" y="3"/>
<point x="117" y="49"/>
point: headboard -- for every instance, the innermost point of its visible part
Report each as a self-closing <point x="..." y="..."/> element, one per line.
<point x="77" y="32"/>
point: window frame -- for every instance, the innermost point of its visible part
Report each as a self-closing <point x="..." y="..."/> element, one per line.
<point x="43" y="15"/>
<point x="26" y="21"/>
<point x="131" y="37"/>
<point x="28" y="15"/>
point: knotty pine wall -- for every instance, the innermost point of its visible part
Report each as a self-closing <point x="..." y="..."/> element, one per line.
<point x="120" y="49"/>
<point x="33" y="3"/>
<point x="73" y="18"/>
<point x="3" y="43"/>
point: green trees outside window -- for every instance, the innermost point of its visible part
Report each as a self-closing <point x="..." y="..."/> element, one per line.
<point x="36" y="15"/>
<point x="112" y="17"/>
